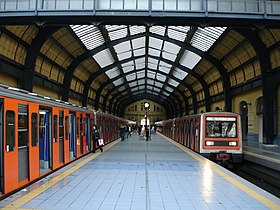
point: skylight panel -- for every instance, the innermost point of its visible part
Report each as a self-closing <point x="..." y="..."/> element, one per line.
<point x="115" y="27"/>
<point x="133" y="84"/>
<point x="140" y="74"/>
<point x="204" y="38"/>
<point x="137" y="29"/>
<point x="150" y="81"/>
<point x="152" y="60"/>
<point x="158" y="84"/>
<point x="157" y="30"/>
<point x="112" y="73"/>
<point x="178" y="32"/>
<point x="170" y="47"/>
<point x="151" y="74"/>
<point x="122" y="47"/>
<point x="154" y="52"/>
<point x="124" y="55"/>
<point x="142" y="87"/>
<point x="131" y="77"/>
<point x="169" y="89"/>
<point x="156" y="89"/>
<point x="161" y="77"/>
<point x="134" y="88"/>
<point x="128" y="67"/>
<point x="122" y="88"/>
<point x="149" y="87"/>
<point x="138" y="43"/>
<point x="116" y="32"/>
<point x="139" y="52"/>
<point x="104" y="58"/>
<point x="165" y="93"/>
<point x="173" y="82"/>
<point x="140" y="63"/>
<point x="169" y="56"/>
<point x="141" y="82"/>
<point x="89" y="35"/>
<point x="155" y="43"/>
<point x="180" y="74"/>
<point x="118" y="82"/>
<point x="164" y="67"/>
<point x="152" y="65"/>
<point x="189" y="59"/>
<point x="150" y="92"/>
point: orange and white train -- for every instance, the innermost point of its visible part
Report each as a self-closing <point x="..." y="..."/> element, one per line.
<point x="215" y="135"/>
<point x="39" y="135"/>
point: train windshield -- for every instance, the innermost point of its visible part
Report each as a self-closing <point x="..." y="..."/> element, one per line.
<point x="223" y="127"/>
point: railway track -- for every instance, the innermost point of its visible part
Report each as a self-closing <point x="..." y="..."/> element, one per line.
<point x="261" y="176"/>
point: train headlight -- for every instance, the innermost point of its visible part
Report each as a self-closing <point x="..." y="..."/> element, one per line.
<point x="232" y="143"/>
<point x="209" y="143"/>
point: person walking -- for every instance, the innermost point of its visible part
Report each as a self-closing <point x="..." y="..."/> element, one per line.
<point x="96" y="136"/>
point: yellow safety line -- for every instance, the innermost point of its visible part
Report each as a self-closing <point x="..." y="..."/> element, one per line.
<point x="263" y="157"/>
<point x="34" y="193"/>
<point x="267" y="202"/>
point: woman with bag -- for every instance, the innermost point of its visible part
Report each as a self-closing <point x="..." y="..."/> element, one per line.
<point x="96" y="137"/>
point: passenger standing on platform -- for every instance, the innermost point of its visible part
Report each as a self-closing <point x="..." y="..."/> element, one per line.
<point x="95" y="136"/>
<point x="129" y="131"/>
<point x="122" y="132"/>
<point x="139" y="129"/>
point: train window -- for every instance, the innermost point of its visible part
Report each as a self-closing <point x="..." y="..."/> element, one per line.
<point x="78" y="127"/>
<point x="22" y="125"/>
<point x="10" y="131"/>
<point x="61" y="125"/>
<point x="67" y="127"/>
<point x="34" y="123"/>
<point x="224" y="127"/>
<point x="55" y="127"/>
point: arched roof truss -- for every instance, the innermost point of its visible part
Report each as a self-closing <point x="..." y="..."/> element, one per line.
<point x="112" y="65"/>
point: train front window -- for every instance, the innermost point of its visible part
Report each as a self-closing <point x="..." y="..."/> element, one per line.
<point x="221" y="127"/>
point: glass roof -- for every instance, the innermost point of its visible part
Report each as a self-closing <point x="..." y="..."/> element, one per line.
<point x="152" y="59"/>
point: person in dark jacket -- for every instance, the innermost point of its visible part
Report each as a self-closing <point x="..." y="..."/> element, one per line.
<point x="95" y="136"/>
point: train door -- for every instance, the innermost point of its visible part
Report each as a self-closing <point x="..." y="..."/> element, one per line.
<point x="81" y="134"/>
<point x="184" y="133"/>
<point x="45" y="143"/>
<point x="191" y="134"/>
<point x="196" y="137"/>
<point x="87" y="130"/>
<point x="1" y="148"/>
<point x="23" y="148"/>
<point x="72" y="133"/>
<point x="61" y="136"/>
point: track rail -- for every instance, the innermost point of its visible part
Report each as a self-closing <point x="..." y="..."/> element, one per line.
<point x="266" y="178"/>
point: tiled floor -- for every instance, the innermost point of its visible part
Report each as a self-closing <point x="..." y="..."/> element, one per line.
<point x="157" y="175"/>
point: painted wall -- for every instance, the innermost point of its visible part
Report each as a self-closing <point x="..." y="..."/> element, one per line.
<point x="8" y="80"/>
<point x="137" y="112"/>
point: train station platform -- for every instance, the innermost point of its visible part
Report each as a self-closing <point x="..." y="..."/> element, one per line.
<point x="137" y="174"/>
<point x="262" y="154"/>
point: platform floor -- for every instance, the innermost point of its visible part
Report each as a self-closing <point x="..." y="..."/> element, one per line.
<point x="266" y="155"/>
<point x="137" y="174"/>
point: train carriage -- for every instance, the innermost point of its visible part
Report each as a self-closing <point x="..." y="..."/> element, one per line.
<point x="215" y="135"/>
<point x="39" y="135"/>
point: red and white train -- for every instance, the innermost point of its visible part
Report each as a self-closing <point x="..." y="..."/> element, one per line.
<point x="39" y="135"/>
<point x="215" y="135"/>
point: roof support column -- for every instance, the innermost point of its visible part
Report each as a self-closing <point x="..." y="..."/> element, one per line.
<point x="269" y="108"/>
<point x="268" y="84"/>
<point x="27" y="77"/>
